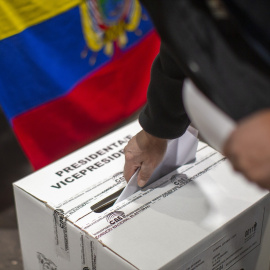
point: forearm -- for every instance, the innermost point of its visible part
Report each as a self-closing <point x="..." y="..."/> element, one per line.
<point x="164" y="115"/>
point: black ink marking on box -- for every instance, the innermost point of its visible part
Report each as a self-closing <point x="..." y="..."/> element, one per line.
<point x="45" y="263"/>
<point x="61" y="234"/>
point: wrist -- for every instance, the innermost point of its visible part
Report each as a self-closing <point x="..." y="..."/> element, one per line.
<point x="153" y="139"/>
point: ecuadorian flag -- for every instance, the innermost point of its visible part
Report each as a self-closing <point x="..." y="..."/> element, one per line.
<point x="71" y="70"/>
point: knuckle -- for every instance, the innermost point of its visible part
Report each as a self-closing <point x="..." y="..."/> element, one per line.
<point x="129" y="156"/>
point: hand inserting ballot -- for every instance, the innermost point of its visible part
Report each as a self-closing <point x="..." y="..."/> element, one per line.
<point x="143" y="151"/>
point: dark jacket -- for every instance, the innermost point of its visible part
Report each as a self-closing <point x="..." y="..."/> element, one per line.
<point x="214" y="53"/>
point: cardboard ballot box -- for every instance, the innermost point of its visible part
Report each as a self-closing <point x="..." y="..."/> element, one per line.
<point x="200" y="216"/>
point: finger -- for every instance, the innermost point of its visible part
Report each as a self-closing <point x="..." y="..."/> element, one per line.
<point x="265" y="183"/>
<point x="256" y="174"/>
<point x="144" y="174"/>
<point x="260" y="175"/>
<point x="234" y="161"/>
<point x="228" y="146"/>
<point x="231" y="154"/>
<point x="131" y="165"/>
<point x="129" y="170"/>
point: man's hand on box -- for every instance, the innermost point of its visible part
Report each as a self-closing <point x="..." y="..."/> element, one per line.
<point x="248" y="148"/>
<point x="143" y="151"/>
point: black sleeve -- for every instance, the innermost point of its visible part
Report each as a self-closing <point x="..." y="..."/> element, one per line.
<point x="164" y="115"/>
<point x="217" y="59"/>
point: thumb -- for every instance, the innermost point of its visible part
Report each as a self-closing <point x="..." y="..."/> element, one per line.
<point x="144" y="174"/>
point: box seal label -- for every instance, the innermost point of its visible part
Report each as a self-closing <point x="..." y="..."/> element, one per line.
<point x="88" y="253"/>
<point x="61" y="234"/>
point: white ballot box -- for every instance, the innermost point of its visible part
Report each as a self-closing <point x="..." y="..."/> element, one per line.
<point x="200" y="216"/>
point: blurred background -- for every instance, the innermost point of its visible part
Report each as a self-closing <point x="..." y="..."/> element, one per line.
<point x="14" y="165"/>
<point x="70" y="72"/>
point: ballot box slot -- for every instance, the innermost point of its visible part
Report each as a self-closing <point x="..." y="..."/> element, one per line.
<point x="107" y="202"/>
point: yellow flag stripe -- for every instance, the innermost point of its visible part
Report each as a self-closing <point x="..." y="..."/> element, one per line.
<point x="17" y="15"/>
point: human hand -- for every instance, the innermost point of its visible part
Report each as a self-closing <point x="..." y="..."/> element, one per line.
<point x="143" y="151"/>
<point x="248" y="148"/>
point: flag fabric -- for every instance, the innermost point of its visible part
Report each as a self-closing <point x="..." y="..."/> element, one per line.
<point x="72" y="70"/>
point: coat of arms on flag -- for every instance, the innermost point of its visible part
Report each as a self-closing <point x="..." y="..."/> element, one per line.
<point x="106" y="22"/>
<point x="72" y="70"/>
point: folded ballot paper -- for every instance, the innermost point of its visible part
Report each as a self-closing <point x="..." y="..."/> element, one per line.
<point x="179" y="152"/>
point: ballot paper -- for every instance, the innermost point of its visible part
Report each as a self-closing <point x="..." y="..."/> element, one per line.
<point x="213" y="124"/>
<point x="179" y="152"/>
